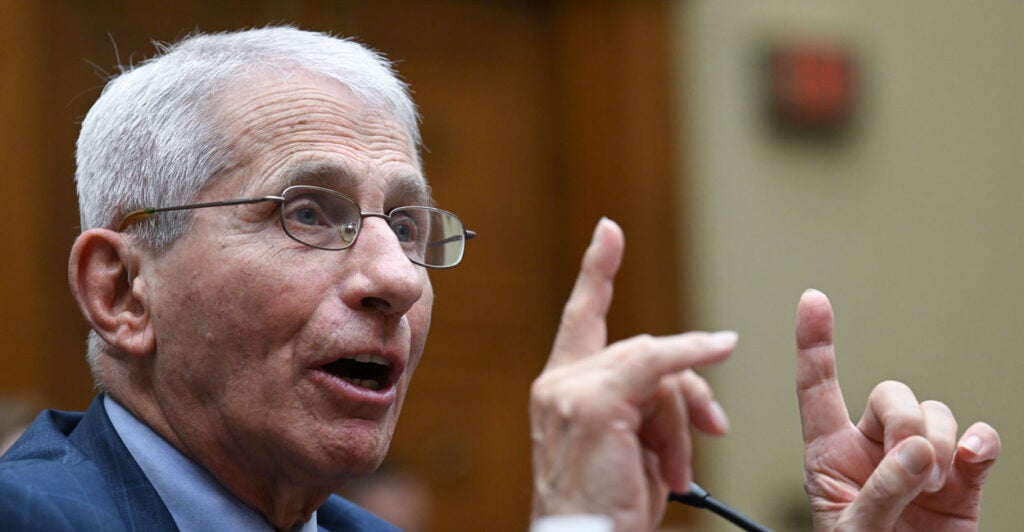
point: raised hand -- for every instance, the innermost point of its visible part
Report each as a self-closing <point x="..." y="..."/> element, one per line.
<point x="901" y="466"/>
<point x="611" y="423"/>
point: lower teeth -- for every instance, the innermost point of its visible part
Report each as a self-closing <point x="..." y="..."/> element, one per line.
<point x="369" y="384"/>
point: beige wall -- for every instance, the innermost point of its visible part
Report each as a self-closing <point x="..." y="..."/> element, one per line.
<point x="913" y="226"/>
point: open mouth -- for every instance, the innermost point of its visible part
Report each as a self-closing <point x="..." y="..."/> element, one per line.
<point x="366" y="371"/>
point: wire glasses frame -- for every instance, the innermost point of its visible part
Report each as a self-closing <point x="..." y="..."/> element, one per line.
<point x="325" y="219"/>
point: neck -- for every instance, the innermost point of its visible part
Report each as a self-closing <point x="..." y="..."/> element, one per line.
<point x="284" y="502"/>
<point x="284" y="507"/>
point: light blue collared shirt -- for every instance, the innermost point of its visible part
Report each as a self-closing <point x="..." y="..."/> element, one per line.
<point x="196" y="500"/>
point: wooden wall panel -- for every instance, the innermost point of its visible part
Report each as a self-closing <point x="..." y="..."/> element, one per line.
<point x="23" y="193"/>
<point x="618" y="150"/>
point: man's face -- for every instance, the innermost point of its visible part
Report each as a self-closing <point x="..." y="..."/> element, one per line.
<point x="262" y="341"/>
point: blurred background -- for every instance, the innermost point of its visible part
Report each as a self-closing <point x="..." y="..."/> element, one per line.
<point x="750" y="150"/>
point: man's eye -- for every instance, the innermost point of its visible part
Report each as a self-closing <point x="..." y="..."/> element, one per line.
<point x="405" y="229"/>
<point x="306" y="212"/>
<point x="306" y="216"/>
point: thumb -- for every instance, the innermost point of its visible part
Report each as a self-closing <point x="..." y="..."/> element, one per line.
<point x="898" y="479"/>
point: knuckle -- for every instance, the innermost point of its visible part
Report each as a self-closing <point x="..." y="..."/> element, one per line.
<point x="643" y="346"/>
<point x="568" y="394"/>
<point x="547" y="388"/>
<point x="695" y="388"/>
<point x="572" y="314"/>
<point x="643" y="342"/>
<point x="902" y="424"/>
<point x="937" y="407"/>
<point x="890" y="387"/>
<point x="633" y="350"/>
<point x="540" y="389"/>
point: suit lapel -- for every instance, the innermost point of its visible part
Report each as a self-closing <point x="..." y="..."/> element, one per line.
<point x="135" y="497"/>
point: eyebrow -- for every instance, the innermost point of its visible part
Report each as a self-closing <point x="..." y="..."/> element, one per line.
<point x="331" y="174"/>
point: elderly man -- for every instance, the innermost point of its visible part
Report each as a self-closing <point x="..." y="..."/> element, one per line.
<point x="257" y="232"/>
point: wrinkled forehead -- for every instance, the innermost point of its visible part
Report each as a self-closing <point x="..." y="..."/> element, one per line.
<point x="267" y="80"/>
<point x="338" y="175"/>
<point x="306" y="129"/>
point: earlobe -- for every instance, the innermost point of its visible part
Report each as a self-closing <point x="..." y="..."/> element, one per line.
<point x="105" y="281"/>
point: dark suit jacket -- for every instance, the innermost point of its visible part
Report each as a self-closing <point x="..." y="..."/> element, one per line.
<point x="70" y="471"/>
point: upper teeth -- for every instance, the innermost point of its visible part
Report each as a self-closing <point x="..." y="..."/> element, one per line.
<point x="375" y="359"/>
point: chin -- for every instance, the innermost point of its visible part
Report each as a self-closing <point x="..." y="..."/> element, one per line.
<point x="356" y="451"/>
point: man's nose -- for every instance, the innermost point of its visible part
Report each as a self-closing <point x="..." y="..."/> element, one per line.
<point x="382" y="277"/>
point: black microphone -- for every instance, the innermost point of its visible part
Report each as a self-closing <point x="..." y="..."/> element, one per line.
<point x="698" y="497"/>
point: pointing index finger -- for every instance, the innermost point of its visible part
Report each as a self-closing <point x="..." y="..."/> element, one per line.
<point x="822" y="409"/>
<point x="583" y="330"/>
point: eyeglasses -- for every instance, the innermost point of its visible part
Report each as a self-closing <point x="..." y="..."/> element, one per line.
<point x="324" y="219"/>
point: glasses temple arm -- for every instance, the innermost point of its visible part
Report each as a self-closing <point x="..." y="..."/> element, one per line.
<point x="139" y="213"/>
<point x="466" y="235"/>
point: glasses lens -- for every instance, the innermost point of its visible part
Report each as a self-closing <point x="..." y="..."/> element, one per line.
<point x="320" y="217"/>
<point x="430" y="237"/>
<point x="326" y="219"/>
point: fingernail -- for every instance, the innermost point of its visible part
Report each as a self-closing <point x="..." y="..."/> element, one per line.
<point x="935" y="479"/>
<point x="913" y="462"/>
<point x="720" y="417"/>
<point x="724" y="339"/>
<point x="812" y="291"/>
<point x="597" y="228"/>
<point x="972" y="443"/>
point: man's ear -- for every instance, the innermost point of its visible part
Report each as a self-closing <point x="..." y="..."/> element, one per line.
<point x="104" y="276"/>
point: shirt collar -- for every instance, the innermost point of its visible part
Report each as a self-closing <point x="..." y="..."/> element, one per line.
<point x="195" y="499"/>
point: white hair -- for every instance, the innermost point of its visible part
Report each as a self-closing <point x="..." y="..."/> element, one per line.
<point x="152" y="138"/>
